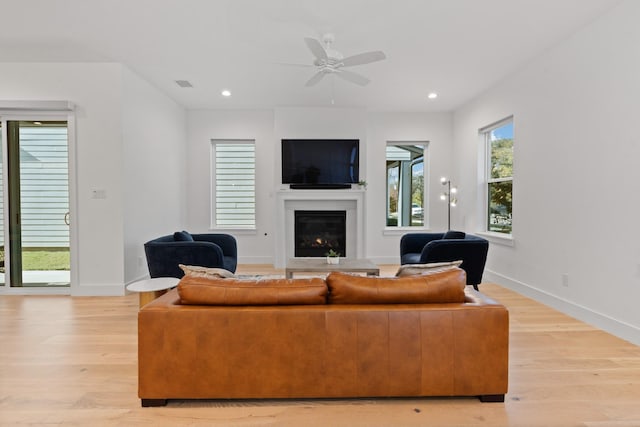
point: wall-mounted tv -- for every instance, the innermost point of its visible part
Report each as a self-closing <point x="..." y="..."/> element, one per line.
<point x="318" y="163"/>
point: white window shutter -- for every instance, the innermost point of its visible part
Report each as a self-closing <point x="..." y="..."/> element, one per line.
<point x="235" y="201"/>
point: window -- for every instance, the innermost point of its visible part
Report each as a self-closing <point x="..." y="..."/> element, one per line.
<point x="405" y="184"/>
<point x="234" y="201"/>
<point x="498" y="141"/>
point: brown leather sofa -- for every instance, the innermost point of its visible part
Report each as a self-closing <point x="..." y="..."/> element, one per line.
<point x="346" y="336"/>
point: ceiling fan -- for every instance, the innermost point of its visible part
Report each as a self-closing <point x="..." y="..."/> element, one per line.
<point x="330" y="61"/>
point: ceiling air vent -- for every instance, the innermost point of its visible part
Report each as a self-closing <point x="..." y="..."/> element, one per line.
<point x="184" y="83"/>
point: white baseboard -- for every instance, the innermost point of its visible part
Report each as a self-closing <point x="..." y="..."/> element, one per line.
<point x="36" y="290"/>
<point x="609" y="324"/>
<point x="115" y="290"/>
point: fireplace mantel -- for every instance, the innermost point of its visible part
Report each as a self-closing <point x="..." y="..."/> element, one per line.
<point x="287" y="201"/>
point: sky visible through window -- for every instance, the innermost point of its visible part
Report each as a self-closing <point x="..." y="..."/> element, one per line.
<point x="503" y="132"/>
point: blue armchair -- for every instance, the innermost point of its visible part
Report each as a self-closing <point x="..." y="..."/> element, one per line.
<point x="205" y="250"/>
<point x="423" y="248"/>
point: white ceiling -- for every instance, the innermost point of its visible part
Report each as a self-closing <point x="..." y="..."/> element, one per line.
<point x="457" y="48"/>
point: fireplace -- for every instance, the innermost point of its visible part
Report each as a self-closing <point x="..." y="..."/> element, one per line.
<point x="289" y="201"/>
<point x="316" y="232"/>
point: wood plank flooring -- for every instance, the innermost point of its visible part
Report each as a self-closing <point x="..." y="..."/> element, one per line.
<point x="73" y="362"/>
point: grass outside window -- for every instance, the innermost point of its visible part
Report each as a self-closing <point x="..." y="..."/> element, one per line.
<point x="42" y="259"/>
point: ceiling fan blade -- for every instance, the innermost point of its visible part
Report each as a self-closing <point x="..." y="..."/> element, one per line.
<point x="315" y="79"/>
<point x="363" y="58"/>
<point x="290" y="64"/>
<point x="352" y="77"/>
<point x="316" y="48"/>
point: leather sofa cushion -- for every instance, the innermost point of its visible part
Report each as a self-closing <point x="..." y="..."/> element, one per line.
<point x="218" y="291"/>
<point x="444" y="287"/>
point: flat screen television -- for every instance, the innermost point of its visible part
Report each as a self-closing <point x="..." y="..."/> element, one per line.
<point x="320" y="163"/>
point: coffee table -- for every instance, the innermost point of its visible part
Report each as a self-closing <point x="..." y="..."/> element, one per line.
<point x="319" y="265"/>
<point x="151" y="289"/>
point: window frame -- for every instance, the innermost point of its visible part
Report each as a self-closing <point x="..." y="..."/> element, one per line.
<point x="485" y="133"/>
<point x="393" y="229"/>
<point x="214" y="225"/>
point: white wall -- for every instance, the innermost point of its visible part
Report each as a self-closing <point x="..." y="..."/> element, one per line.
<point x="205" y="125"/>
<point x="383" y="246"/>
<point x="95" y="89"/>
<point x="373" y="129"/>
<point x="310" y="123"/>
<point x="576" y="178"/>
<point x="130" y="142"/>
<point x="154" y="134"/>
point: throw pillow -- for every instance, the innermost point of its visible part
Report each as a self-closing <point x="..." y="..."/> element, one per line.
<point x="216" y="291"/>
<point x="210" y="272"/>
<point x="452" y="234"/>
<point x="182" y="236"/>
<point x="431" y="268"/>
<point x="443" y="287"/>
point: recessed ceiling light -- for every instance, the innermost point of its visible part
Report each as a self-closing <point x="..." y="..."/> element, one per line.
<point x="226" y="92"/>
<point x="432" y="95"/>
<point x="184" y="83"/>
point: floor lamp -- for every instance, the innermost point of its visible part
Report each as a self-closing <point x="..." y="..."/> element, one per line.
<point x="449" y="195"/>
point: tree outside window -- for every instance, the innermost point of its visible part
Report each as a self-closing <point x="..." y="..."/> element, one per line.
<point x="499" y="145"/>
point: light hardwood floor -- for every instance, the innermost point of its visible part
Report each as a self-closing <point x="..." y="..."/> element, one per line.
<point x="73" y="362"/>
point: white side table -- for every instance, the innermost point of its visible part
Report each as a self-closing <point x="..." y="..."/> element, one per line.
<point x="151" y="289"/>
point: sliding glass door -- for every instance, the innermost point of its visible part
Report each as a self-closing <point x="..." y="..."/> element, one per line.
<point x="2" y="213"/>
<point x="35" y="204"/>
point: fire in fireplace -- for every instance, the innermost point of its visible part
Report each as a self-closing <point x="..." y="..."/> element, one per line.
<point x="316" y="232"/>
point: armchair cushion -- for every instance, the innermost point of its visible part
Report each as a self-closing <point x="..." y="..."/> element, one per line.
<point x="413" y="243"/>
<point x="182" y="236"/>
<point x="452" y="234"/>
<point x="411" y="258"/>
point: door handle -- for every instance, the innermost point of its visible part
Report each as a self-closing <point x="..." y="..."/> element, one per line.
<point x="66" y="218"/>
